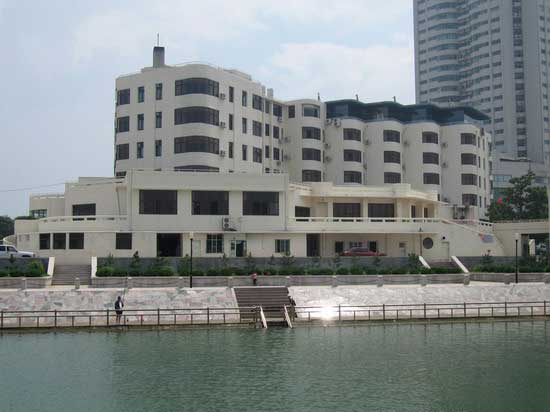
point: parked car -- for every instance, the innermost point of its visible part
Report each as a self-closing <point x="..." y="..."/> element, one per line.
<point x="7" y="251"/>
<point x="361" y="251"/>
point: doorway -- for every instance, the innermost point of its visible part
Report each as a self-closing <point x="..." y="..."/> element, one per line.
<point x="168" y="244"/>
<point x="238" y="248"/>
<point x="312" y="244"/>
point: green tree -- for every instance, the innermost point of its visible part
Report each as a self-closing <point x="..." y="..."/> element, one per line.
<point x="520" y="201"/>
<point x="6" y="226"/>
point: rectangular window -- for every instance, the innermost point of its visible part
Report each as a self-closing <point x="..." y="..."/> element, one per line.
<point x="381" y="210"/>
<point x="311" y="154"/>
<point x="338" y="247"/>
<point x="277" y="110"/>
<point x="244" y="125"/>
<point x="158" y="91"/>
<point x="204" y="144"/>
<point x="392" y="136"/>
<point x="231" y="150"/>
<point x="210" y="202"/>
<point x="196" y="114"/>
<point x="469" y="199"/>
<point x="352" y="155"/>
<point x="123" y="124"/>
<point x="311" y="176"/>
<point x="276" y="155"/>
<point x="392" y="157"/>
<point x="245" y="98"/>
<point x="267" y="129"/>
<point x="76" y="240"/>
<point x="311" y="110"/>
<point x="431" y="178"/>
<point x="291" y="111"/>
<point x="347" y="209"/>
<point x="244" y="152"/>
<point x="39" y="213"/>
<point x="158" y="120"/>
<point x="468" y="159"/>
<point x="302" y="211"/>
<point x="468" y="138"/>
<point x="430" y="137"/>
<point x="267" y="106"/>
<point x="469" y="179"/>
<point x="59" y="240"/>
<point x="197" y="85"/>
<point x="257" y="155"/>
<point x="275" y="132"/>
<point x="158" y="148"/>
<point x="392" y="177"/>
<point x="256" y="128"/>
<point x="352" y="177"/>
<point x="84" y="209"/>
<point x="282" y="246"/>
<point x="257" y="102"/>
<point x="214" y="243"/>
<point x="124" y="241"/>
<point x="261" y="203"/>
<point x="140" y="121"/>
<point x="45" y="239"/>
<point x="352" y="134"/>
<point x="141" y="94"/>
<point x="158" y="202"/>
<point x="311" y="133"/>
<point x="231" y="94"/>
<point x="122" y="151"/>
<point x="139" y="150"/>
<point x="123" y="97"/>
<point x="430" y="158"/>
<point x="266" y="152"/>
<point x="230" y="121"/>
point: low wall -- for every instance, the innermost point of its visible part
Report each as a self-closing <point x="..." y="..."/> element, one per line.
<point x="511" y="277"/>
<point x="471" y="261"/>
<point x="21" y="262"/>
<point x="31" y="283"/>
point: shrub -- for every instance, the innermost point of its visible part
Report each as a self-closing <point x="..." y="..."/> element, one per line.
<point x="356" y="270"/>
<point x="35" y="268"/>
<point x="105" y="271"/>
<point x="214" y="272"/>
<point x="372" y="271"/>
<point x="184" y="266"/>
<point x="160" y="271"/>
<point x="426" y="271"/>
<point x="3" y="273"/>
<point x="198" y="272"/>
<point x="399" y="271"/>
<point x="342" y="271"/>
<point x="287" y="260"/>
<point x="291" y="271"/>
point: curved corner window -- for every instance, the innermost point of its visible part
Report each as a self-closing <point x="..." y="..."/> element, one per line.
<point x="196" y="114"/>
<point x="311" y="133"/>
<point x="352" y="134"/>
<point x="311" y="110"/>
<point x="392" y="157"/>
<point x="311" y="154"/>
<point x="392" y="136"/>
<point x="197" y="85"/>
<point x="391" y="177"/>
<point x="311" y="176"/>
<point x="430" y="158"/>
<point x="352" y="155"/>
<point x="430" y="137"/>
<point x="204" y="144"/>
<point x="431" y="178"/>
<point x="352" y="177"/>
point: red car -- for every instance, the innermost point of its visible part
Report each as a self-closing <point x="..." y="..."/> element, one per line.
<point x="361" y="251"/>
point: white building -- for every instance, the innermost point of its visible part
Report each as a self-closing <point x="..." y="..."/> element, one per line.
<point x="490" y="55"/>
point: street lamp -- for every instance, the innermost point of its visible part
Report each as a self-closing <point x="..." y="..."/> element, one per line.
<point x="191" y="261"/>
<point x="517" y="240"/>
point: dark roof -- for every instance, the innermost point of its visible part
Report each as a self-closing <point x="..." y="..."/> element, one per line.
<point x="403" y="113"/>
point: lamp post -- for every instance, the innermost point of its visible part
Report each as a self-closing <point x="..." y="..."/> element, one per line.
<point x="517" y="240"/>
<point x="191" y="261"/>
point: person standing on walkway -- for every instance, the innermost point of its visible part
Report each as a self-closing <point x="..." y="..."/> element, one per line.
<point x="119" y="304"/>
<point x="254" y="277"/>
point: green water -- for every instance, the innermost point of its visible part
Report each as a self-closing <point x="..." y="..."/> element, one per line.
<point x="452" y="367"/>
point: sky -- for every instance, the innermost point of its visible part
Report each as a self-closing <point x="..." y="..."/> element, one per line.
<point x="60" y="59"/>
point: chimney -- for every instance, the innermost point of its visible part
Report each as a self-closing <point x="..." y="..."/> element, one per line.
<point x="158" y="56"/>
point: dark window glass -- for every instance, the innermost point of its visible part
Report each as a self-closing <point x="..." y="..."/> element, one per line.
<point x="256" y="128"/>
<point x="266" y="152"/>
<point x="468" y="138"/>
<point x="210" y="202"/>
<point x="291" y="111"/>
<point x="45" y="239"/>
<point x="352" y="134"/>
<point x="311" y="154"/>
<point x="267" y="106"/>
<point x="158" y="202"/>
<point x="158" y="148"/>
<point x="196" y="168"/>
<point x="430" y="137"/>
<point x="277" y="110"/>
<point x="244" y="125"/>
<point x="140" y="121"/>
<point x="59" y="240"/>
<point x="301" y="211"/>
<point x="311" y="110"/>
<point x="214" y="243"/>
<point x="469" y="199"/>
<point x="311" y="133"/>
<point x="123" y="124"/>
<point x="141" y="94"/>
<point x="431" y="178"/>
<point x="282" y="246"/>
<point x="203" y="144"/>
<point x="122" y="151"/>
<point x="352" y="177"/>
<point x="158" y="120"/>
<point x="430" y="158"/>
<point x="76" y="240"/>
<point x="391" y="177"/>
<point x="124" y="241"/>
<point x="120" y="174"/>
<point x="352" y="155"/>
<point x="197" y="85"/>
<point x="469" y="179"/>
<point x="381" y="210"/>
<point x="158" y="91"/>
<point x="39" y="213"/>
<point x="257" y="154"/>
<point x="230" y="121"/>
<point x="311" y="176"/>
<point x="275" y="132"/>
<point x="139" y="150"/>
<point x="392" y="157"/>
<point x="267" y="129"/>
<point x="468" y="159"/>
<point x="245" y="152"/>
<point x="231" y="94"/>
<point x="123" y="97"/>
<point x="244" y="98"/>
<point x="84" y="209"/>
<point x="276" y="155"/>
<point x="257" y="102"/>
<point x="392" y="136"/>
<point x="347" y="209"/>
<point x="231" y="150"/>
<point x="196" y="114"/>
<point x="261" y="203"/>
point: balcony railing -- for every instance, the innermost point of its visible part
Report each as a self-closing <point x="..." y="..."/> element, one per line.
<point x="92" y="218"/>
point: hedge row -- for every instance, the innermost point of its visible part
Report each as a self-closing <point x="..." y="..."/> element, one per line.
<point x="33" y="269"/>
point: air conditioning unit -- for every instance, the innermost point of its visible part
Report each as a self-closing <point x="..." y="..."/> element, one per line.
<point x="444" y="144"/>
<point x="328" y="121"/>
<point x="222" y="96"/>
<point x="327" y="145"/>
<point x="365" y="166"/>
<point x="222" y="125"/>
<point x="227" y="224"/>
<point x="222" y="153"/>
<point x="444" y="165"/>
<point x="366" y="142"/>
<point x="337" y="122"/>
<point x="328" y="159"/>
<point x="279" y="119"/>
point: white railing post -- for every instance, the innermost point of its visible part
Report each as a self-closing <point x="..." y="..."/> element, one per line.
<point x="51" y="265"/>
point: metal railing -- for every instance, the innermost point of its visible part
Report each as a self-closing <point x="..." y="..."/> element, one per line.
<point x="325" y="219"/>
<point x="130" y="317"/>
<point x="421" y="311"/>
<point x="92" y="218"/>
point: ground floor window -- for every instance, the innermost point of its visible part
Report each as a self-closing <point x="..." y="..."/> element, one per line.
<point x="338" y="247"/>
<point x="45" y="240"/>
<point x="59" y="240"/>
<point x="76" y="240"/>
<point x="168" y="244"/>
<point x="238" y="248"/>
<point x="373" y="246"/>
<point x="124" y="241"/>
<point x="355" y="244"/>
<point x="214" y="243"/>
<point x="282" y="246"/>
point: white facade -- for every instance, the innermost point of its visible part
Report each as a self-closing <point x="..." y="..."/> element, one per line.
<point x="490" y="55"/>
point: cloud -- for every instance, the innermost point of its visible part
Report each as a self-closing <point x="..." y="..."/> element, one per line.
<point x="378" y="72"/>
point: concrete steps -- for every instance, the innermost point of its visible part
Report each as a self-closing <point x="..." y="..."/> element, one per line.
<point x="66" y="274"/>
<point x="272" y="299"/>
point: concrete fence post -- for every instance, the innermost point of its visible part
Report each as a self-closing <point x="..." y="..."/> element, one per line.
<point x="466" y="279"/>
<point x="380" y="281"/>
<point x="423" y="280"/>
<point x="23" y="283"/>
<point x="77" y="283"/>
<point x="230" y="281"/>
<point x="288" y="281"/>
<point x="334" y="281"/>
<point x="507" y="278"/>
<point x="128" y="282"/>
<point x="181" y="282"/>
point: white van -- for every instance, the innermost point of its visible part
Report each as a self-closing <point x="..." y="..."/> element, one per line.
<point x="6" y="251"/>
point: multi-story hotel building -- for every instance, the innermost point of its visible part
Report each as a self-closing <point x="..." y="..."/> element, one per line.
<point x="303" y="177"/>
<point x="490" y="55"/>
